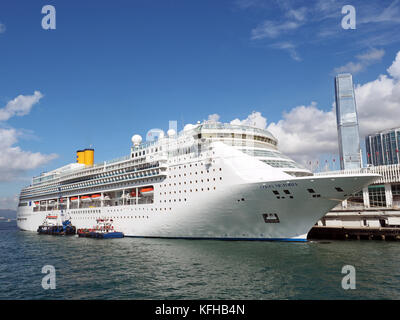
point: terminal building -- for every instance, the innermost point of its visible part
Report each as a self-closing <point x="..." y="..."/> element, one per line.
<point x="383" y="147"/>
<point x="377" y="205"/>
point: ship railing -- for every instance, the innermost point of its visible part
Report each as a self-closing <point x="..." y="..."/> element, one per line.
<point x="343" y="172"/>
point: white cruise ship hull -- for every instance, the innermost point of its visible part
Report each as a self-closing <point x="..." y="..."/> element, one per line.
<point x="282" y="210"/>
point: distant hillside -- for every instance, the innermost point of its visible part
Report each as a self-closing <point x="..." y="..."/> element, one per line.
<point x="9" y="214"/>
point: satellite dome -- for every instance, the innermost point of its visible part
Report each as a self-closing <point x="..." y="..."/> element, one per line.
<point x="136" y="139"/>
<point x="171" y="132"/>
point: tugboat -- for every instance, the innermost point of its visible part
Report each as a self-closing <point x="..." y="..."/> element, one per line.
<point x="103" y="230"/>
<point x="50" y="227"/>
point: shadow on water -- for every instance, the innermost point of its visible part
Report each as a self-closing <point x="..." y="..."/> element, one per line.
<point x="132" y="268"/>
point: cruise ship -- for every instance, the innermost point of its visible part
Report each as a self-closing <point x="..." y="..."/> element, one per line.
<point x="212" y="180"/>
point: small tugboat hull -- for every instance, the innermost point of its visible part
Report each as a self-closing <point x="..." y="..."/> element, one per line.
<point x="100" y="235"/>
<point x="57" y="230"/>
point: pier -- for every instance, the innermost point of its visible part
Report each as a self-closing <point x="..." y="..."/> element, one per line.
<point x="348" y="233"/>
<point x="372" y="213"/>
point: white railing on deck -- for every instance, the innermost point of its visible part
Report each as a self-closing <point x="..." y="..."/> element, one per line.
<point x="390" y="173"/>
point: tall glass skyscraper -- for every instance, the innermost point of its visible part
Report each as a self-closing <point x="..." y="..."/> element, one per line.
<point x="347" y="122"/>
<point x="383" y="147"/>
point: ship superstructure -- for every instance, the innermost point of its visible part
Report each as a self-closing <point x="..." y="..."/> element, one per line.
<point x="212" y="180"/>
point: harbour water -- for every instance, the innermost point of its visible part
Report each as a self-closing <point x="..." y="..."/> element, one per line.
<point x="133" y="268"/>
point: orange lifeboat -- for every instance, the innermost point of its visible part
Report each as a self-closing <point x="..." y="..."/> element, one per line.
<point x="74" y="199"/>
<point x="96" y="196"/>
<point x="86" y="198"/>
<point x="147" y="191"/>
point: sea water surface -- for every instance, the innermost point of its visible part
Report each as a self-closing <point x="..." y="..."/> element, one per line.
<point x="132" y="268"/>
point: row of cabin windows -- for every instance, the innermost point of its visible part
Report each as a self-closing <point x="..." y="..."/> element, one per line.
<point x="190" y="190"/>
<point x="190" y="182"/>
<point x="124" y="217"/>
<point x="117" y="210"/>
<point x="190" y="173"/>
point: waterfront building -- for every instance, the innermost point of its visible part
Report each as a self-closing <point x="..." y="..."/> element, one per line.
<point x="347" y="123"/>
<point x="377" y="205"/>
<point x="383" y="147"/>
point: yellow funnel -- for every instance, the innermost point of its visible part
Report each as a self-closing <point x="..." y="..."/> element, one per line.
<point x="80" y="156"/>
<point x="89" y="157"/>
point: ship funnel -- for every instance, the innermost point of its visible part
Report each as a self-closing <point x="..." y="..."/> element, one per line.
<point x="85" y="157"/>
<point x="89" y="157"/>
<point x="80" y="156"/>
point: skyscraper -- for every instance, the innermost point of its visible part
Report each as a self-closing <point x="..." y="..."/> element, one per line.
<point x="347" y="122"/>
<point x="383" y="147"/>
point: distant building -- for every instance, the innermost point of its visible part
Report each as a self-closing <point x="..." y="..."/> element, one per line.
<point x="347" y="123"/>
<point x="383" y="147"/>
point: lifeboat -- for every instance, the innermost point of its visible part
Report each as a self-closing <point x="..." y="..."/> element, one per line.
<point x="147" y="191"/>
<point x="37" y="203"/>
<point x="86" y="198"/>
<point x="51" y="217"/>
<point x="74" y="199"/>
<point x="96" y="196"/>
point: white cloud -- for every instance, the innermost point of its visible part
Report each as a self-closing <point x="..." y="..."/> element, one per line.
<point x="391" y="14"/>
<point x="14" y="161"/>
<point x="213" y="117"/>
<point x="363" y="61"/>
<point x="271" y="29"/>
<point x="290" y="47"/>
<point x="394" y="69"/>
<point x="20" y="106"/>
<point x="255" y="119"/>
<point x="297" y="14"/>
<point x="2" y="28"/>
<point x="350" y="67"/>
<point x="372" y="55"/>
<point x="245" y="4"/>
<point x="319" y="22"/>
<point x="305" y="132"/>
<point x="378" y="105"/>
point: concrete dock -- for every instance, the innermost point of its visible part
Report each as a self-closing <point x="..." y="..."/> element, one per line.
<point x="347" y="233"/>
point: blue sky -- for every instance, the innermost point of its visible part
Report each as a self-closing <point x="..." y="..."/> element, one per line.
<point x="111" y="69"/>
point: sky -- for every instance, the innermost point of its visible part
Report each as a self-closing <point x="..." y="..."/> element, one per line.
<point x="111" y="69"/>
